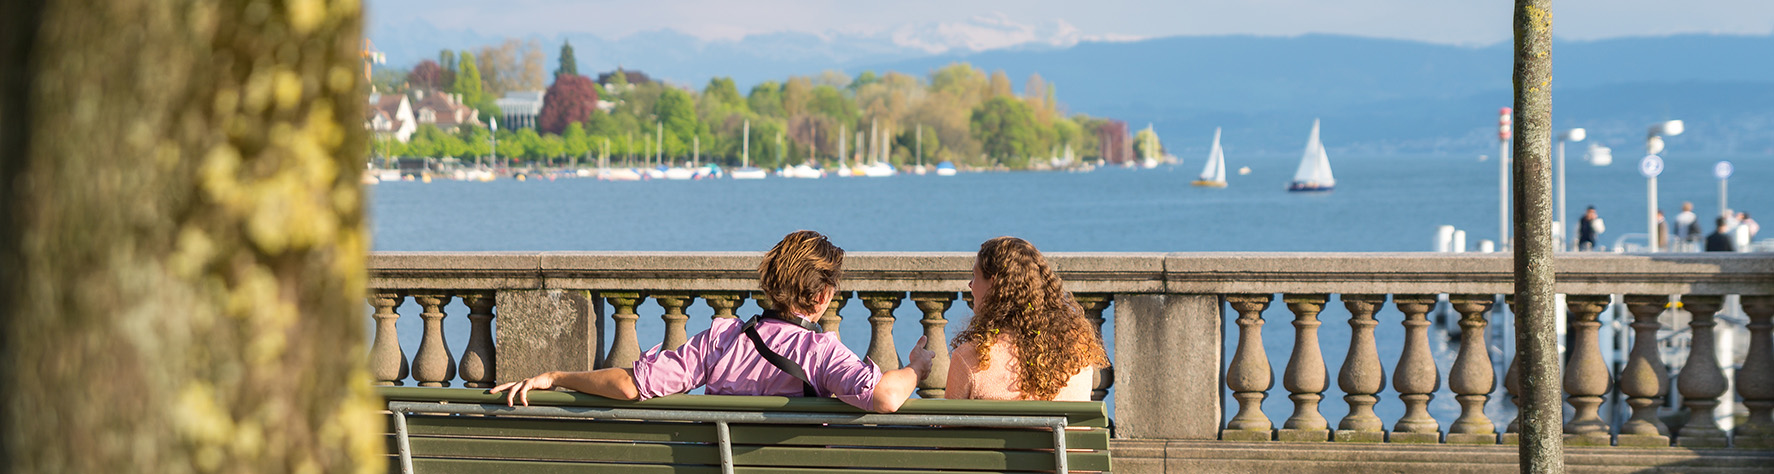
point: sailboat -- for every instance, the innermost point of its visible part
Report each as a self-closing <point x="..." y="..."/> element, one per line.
<point x="1315" y="167"/>
<point x="1214" y="175"/>
<point x="746" y="171"/>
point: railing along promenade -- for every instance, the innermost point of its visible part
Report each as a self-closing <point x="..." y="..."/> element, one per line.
<point x="1168" y="371"/>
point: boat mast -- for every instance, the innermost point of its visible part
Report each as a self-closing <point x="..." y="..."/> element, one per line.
<point x="745" y="150"/>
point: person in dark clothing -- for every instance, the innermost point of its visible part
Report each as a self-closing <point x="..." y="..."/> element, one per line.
<point x="1720" y="240"/>
<point x="1587" y="229"/>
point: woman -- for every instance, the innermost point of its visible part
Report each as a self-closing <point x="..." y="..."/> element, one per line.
<point x="1027" y="340"/>
<point x="777" y="353"/>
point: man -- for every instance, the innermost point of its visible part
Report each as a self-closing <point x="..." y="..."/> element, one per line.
<point x="1588" y="228"/>
<point x="1720" y="240"/>
<point x="1687" y="225"/>
<point x="1662" y="241"/>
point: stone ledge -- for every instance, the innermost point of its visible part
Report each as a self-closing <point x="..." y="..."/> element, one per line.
<point x="1472" y="438"/>
<point x="1347" y="436"/>
<point x="1152" y="456"/>
<point x="1589" y="439"/>
<point x="1702" y="441"/>
<point x="1247" y="435"/>
<point x="1642" y="441"/>
<point x="1413" y="438"/>
<point x="1320" y="436"/>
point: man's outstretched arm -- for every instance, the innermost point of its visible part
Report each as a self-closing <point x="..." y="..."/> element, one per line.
<point x="617" y="383"/>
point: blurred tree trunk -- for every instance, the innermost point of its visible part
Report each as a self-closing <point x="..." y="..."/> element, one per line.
<point x="181" y="241"/>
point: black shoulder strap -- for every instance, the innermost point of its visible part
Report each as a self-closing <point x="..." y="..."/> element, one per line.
<point x="782" y="363"/>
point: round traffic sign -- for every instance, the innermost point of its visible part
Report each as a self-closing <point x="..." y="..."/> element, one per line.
<point x="1723" y="170"/>
<point x="1651" y="166"/>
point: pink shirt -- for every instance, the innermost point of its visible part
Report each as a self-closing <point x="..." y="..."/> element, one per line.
<point x="724" y="360"/>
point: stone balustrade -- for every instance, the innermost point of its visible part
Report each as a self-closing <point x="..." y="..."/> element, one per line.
<point x="531" y="312"/>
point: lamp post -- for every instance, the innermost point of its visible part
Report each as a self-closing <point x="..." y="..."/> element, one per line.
<point x="1564" y="229"/>
<point x="1651" y="166"/>
<point x="1503" y="135"/>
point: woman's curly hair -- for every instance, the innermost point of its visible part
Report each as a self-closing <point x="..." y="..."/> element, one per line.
<point x="1049" y="334"/>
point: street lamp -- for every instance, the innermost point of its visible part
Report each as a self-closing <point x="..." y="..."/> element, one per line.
<point x="1572" y="135"/>
<point x="1651" y="166"/>
<point x="1504" y="132"/>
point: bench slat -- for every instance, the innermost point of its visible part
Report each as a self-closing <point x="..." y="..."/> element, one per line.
<point x="979" y="438"/>
<point x="913" y="458"/>
<point x="531" y="449"/>
<point x="486" y="466"/>
<point x="492" y="449"/>
<point x="510" y="427"/>
<point x="480" y="466"/>
<point x="1086" y="414"/>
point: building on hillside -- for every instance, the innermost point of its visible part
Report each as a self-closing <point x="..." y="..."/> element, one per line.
<point x="633" y="77"/>
<point x="392" y="115"/>
<point x="520" y="109"/>
<point x="443" y="109"/>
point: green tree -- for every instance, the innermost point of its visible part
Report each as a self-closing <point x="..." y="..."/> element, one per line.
<point x="473" y="93"/>
<point x="677" y="111"/>
<point x="866" y="78"/>
<point x="476" y="141"/>
<point x="529" y="143"/>
<point x="721" y="91"/>
<point x="569" y="64"/>
<point x="552" y="146"/>
<point x="766" y="99"/>
<point x="1005" y="128"/>
<point x="578" y="143"/>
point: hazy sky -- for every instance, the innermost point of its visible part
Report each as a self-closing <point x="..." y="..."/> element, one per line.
<point x="1466" y="22"/>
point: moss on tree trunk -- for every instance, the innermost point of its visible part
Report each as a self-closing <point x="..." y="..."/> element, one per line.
<point x="183" y="238"/>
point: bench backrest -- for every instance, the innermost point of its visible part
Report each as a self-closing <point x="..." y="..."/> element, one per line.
<point x="468" y="430"/>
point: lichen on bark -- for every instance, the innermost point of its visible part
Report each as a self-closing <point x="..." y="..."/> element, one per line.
<point x="184" y="237"/>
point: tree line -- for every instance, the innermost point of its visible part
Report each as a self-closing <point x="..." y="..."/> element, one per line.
<point x="957" y="113"/>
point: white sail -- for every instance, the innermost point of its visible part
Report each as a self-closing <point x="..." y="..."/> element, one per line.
<point x="1215" y="171"/>
<point x="1314" y="171"/>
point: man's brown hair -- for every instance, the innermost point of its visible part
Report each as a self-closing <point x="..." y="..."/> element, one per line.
<point x="798" y="270"/>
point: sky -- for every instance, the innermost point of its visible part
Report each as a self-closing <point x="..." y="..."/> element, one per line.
<point x="1459" y="22"/>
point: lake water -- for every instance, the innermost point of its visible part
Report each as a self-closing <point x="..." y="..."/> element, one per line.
<point x="1381" y="204"/>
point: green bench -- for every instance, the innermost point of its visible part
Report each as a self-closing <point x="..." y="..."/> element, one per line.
<point x="444" y="430"/>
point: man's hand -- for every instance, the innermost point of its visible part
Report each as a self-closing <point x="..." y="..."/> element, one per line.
<point x="921" y="357"/>
<point x="520" y="390"/>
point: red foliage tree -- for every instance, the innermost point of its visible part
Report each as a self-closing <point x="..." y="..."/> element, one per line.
<point x="428" y="76"/>
<point x="572" y="98"/>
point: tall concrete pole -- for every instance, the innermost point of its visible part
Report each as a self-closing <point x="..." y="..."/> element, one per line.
<point x="1542" y="443"/>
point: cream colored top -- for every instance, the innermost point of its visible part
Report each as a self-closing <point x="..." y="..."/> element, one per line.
<point x="997" y="382"/>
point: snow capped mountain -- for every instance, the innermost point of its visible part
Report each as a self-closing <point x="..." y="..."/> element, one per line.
<point x="982" y="33"/>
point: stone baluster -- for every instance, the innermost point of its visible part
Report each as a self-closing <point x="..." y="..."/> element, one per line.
<point x="724" y="303"/>
<point x="1586" y="378"/>
<point x="1471" y="377"/>
<point x="763" y="300"/>
<point x="479" y="366"/>
<point x="433" y="366"/>
<point x="1645" y="378"/>
<point x="1305" y="377"/>
<point x="1755" y="381"/>
<point x="388" y="363"/>
<point x="1701" y="381"/>
<point x="1362" y="376"/>
<point x="881" y="306"/>
<point x="1416" y="379"/>
<point x="1512" y="385"/>
<point x="1248" y="376"/>
<point x="625" y="346"/>
<point x="933" y="305"/>
<point x="831" y="319"/>
<point x="674" y="303"/>
<point x="1093" y="306"/>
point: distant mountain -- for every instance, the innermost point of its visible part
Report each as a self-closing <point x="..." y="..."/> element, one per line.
<point x="687" y="60"/>
<point x="1392" y="96"/>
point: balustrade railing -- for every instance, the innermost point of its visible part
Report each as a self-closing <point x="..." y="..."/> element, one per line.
<point x="549" y="311"/>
